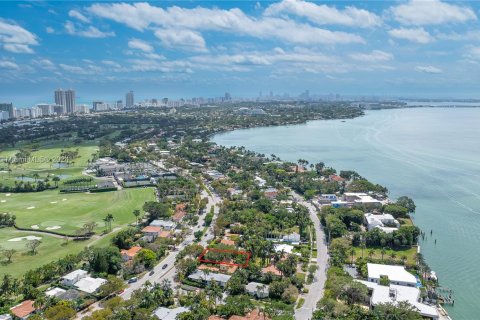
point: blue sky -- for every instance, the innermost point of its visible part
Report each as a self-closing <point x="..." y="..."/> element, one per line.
<point x="192" y="48"/>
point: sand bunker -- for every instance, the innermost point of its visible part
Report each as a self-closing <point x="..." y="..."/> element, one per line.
<point x="53" y="228"/>
<point x="26" y="238"/>
<point x="35" y="226"/>
<point x="30" y="208"/>
<point x="8" y="195"/>
<point x="64" y="199"/>
<point x="3" y="201"/>
<point x="54" y="202"/>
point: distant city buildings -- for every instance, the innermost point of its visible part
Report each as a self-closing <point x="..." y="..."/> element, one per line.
<point x="8" y="107"/>
<point x="129" y="100"/>
<point x="66" y="98"/>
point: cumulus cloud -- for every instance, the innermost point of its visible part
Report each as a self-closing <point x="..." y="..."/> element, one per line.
<point x="429" y="12"/>
<point x="323" y="14"/>
<point x="89" y="32"/>
<point x="428" y="69"/>
<point x="16" y="39"/>
<point x="181" y="39"/>
<point x="418" y="35"/>
<point x="78" y="15"/>
<point x="139" y="16"/>
<point x="374" y="56"/>
<point x="5" y="64"/>
<point x="44" y="64"/>
<point x="140" y="45"/>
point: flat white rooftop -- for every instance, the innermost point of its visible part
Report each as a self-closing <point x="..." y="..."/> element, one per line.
<point x="394" y="273"/>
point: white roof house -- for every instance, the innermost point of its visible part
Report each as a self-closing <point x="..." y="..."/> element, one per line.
<point x="73" y="277"/>
<point x="361" y="199"/>
<point x="257" y="289"/>
<point x="397" y="293"/>
<point x="54" y="292"/>
<point x="396" y="274"/>
<point x="292" y="237"/>
<point x="165" y="224"/>
<point x="89" y="284"/>
<point x="283" y="247"/>
<point x="385" y="222"/>
<point x="168" y="314"/>
<point x="200" y="275"/>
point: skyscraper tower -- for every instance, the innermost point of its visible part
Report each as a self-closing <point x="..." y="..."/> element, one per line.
<point x="129" y="100"/>
<point x="60" y="97"/>
<point x="70" y="101"/>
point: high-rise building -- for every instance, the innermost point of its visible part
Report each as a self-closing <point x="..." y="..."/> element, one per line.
<point x="35" y="112"/>
<point x="47" y="109"/>
<point x="4" y="115"/>
<point x="70" y="100"/>
<point x="59" y="109"/>
<point x="119" y="104"/>
<point x="60" y="97"/>
<point x="129" y="100"/>
<point x="8" y="107"/>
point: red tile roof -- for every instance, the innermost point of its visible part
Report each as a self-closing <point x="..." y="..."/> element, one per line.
<point x="151" y="229"/>
<point x="23" y="309"/>
<point x="132" y="252"/>
<point x="253" y="315"/>
<point x="272" y="269"/>
<point x="165" y="234"/>
<point x="178" y="215"/>
<point x="227" y="242"/>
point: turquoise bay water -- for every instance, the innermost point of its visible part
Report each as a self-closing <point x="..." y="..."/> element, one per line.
<point x="429" y="154"/>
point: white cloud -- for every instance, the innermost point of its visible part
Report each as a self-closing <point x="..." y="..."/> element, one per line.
<point x="418" y="35"/>
<point x="49" y="30"/>
<point x="323" y="14"/>
<point x="471" y="35"/>
<point x="90" y="32"/>
<point x="5" y="64"/>
<point x="181" y="39"/>
<point x="140" y="45"/>
<point x="87" y="69"/>
<point x="111" y="63"/>
<point x="154" y="56"/>
<point x="428" y="69"/>
<point x="472" y="54"/>
<point x="45" y="64"/>
<point x="78" y="15"/>
<point x="16" y="39"/>
<point x="428" y="12"/>
<point x="374" y="56"/>
<point x="142" y="15"/>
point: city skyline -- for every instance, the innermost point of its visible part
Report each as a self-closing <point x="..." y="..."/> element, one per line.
<point x="203" y="49"/>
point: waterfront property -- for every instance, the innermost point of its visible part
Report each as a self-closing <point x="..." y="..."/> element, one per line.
<point x="395" y="274"/>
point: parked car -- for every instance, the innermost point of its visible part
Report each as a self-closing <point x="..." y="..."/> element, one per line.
<point x="151" y="272"/>
<point x="165" y="266"/>
<point x="132" y="280"/>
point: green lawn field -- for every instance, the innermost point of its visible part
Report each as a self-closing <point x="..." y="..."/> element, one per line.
<point x="72" y="210"/>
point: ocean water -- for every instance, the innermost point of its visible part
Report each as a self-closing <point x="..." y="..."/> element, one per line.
<point x="429" y="154"/>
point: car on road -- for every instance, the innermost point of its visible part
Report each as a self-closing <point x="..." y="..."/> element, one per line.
<point x="165" y="266"/>
<point x="132" y="280"/>
<point x="151" y="272"/>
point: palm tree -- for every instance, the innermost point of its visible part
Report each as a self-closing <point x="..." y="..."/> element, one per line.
<point x="136" y="213"/>
<point x="383" y="252"/>
<point x="371" y="252"/>
<point x="36" y="176"/>
<point x="362" y="246"/>
<point x="108" y="221"/>
<point x="352" y="253"/>
<point x="404" y="259"/>
<point x="56" y="180"/>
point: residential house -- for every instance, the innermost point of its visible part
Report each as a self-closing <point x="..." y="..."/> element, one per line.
<point x="259" y="290"/>
<point x="395" y="274"/>
<point x="227" y="242"/>
<point x="179" y="212"/>
<point x="286" y="248"/>
<point x="202" y="277"/>
<point x="292" y="238"/>
<point x="54" y="292"/>
<point x="271" y="193"/>
<point x="385" y="222"/>
<point x="394" y="294"/>
<point x="73" y="277"/>
<point x="272" y="269"/>
<point x="335" y="178"/>
<point x="165" y="234"/>
<point x="327" y="198"/>
<point x="129" y="254"/>
<point x="150" y="233"/>
<point x="89" y="284"/>
<point x="163" y="313"/>
<point x="5" y="317"/>
<point x="164" y="224"/>
<point x="252" y="315"/>
<point x="359" y="199"/>
<point x="23" y="310"/>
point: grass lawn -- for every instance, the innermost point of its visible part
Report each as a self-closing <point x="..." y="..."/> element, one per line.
<point x="41" y="164"/>
<point x="51" y="249"/>
<point x="410" y="253"/>
<point x="72" y="210"/>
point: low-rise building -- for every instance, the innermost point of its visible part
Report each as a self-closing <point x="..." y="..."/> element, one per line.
<point x="257" y="289"/>
<point x="397" y="293"/>
<point x="292" y="238"/>
<point x="55" y="292"/>
<point x="150" y="233"/>
<point x="163" y="313"/>
<point x="272" y="269"/>
<point x="129" y="254"/>
<point x="271" y="193"/>
<point x="385" y="222"/>
<point x="89" y="284"/>
<point x="395" y="274"/>
<point x="164" y="224"/>
<point x="206" y="278"/>
<point x="23" y="310"/>
<point x="360" y="199"/>
<point x="73" y="277"/>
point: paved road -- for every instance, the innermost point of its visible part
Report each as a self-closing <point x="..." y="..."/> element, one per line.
<point x="168" y="273"/>
<point x="315" y="292"/>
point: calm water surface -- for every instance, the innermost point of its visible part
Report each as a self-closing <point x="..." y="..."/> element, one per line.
<point x="429" y="154"/>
